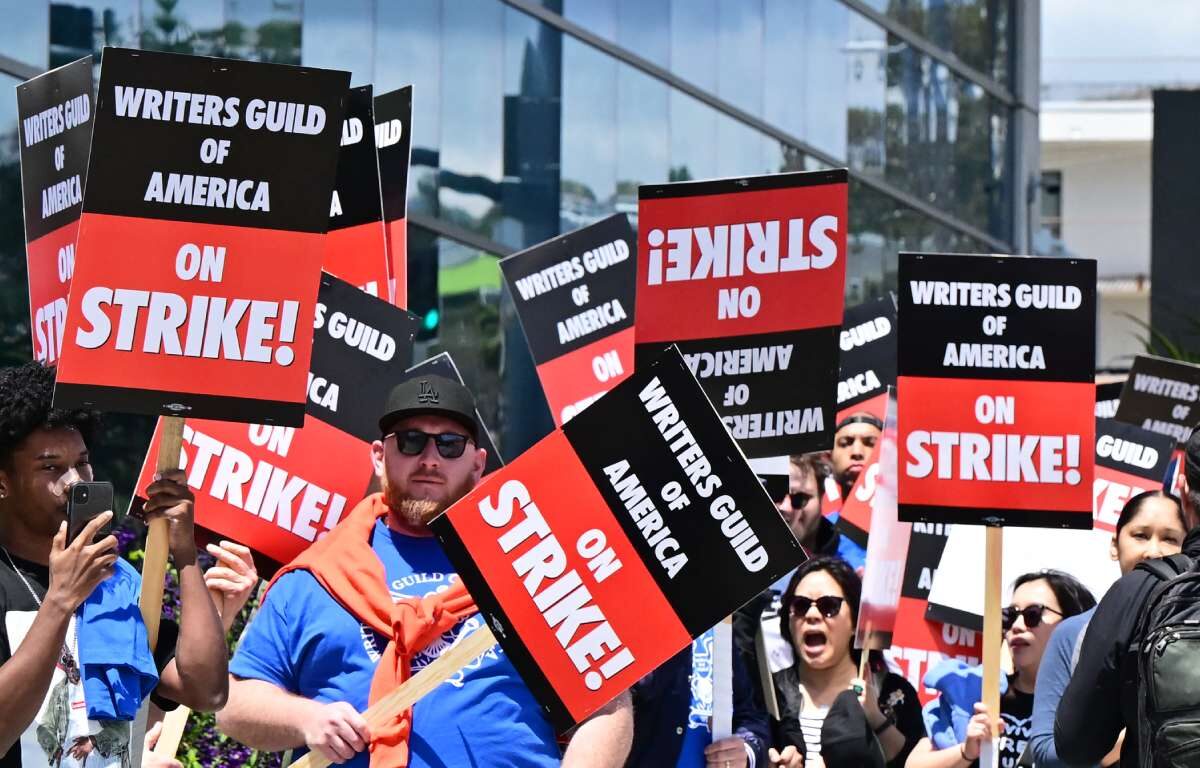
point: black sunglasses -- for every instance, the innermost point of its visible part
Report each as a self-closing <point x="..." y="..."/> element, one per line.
<point x="799" y="499"/>
<point x="1031" y="613"/>
<point x="411" y="442"/>
<point x="828" y="605"/>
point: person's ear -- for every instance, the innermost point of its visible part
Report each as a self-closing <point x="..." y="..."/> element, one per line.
<point x="1190" y="513"/>
<point x="5" y="484"/>
<point x="377" y="458"/>
<point x="1112" y="549"/>
<point x="480" y="463"/>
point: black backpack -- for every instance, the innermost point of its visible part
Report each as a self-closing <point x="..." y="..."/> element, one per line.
<point x="1168" y="666"/>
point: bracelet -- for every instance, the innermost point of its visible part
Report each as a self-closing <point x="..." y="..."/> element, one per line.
<point x="888" y="722"/>
<point x="962" y="750"/>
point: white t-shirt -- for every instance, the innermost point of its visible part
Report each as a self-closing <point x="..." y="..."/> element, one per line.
<point x="811" y="720"/>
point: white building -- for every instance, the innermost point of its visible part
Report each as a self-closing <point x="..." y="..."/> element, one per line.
<point x="1096" y="204"/>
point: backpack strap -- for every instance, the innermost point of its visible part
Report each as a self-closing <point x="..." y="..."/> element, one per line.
<point x="1167" y="568"/>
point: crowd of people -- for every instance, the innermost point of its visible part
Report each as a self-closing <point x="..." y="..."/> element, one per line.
<point x="377" y="599"/>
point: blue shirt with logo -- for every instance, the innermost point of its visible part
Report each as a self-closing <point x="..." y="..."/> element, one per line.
<point x="304" y="642"/>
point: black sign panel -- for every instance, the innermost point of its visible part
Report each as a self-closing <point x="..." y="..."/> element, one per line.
<point x="868" y="344"/>
<point x="1131" y="450"/>
<point x="677" y="450"/>
<point x="1161" y="396"/>
<point x="945" y="298"/>
<point x="356" y="191"/>
<point x="361" y="348"/>
<point x="1108" y="397"/>
<point x="393" y="139"/>
<point x="54" y="128"/>
<point x="443" y="365"/>
<point x="573" y="289"/>
<point x="221" y="162"/>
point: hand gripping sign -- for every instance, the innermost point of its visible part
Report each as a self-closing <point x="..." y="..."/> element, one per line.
<point x="54" y="127"/>
<point x="1162" y="396"/>
<point x="200" y="243"/>
<point x="276" y="489"/>
<point x="574" y="297"/>
<point x="393" y="142"/>
<point x="600" y="553"/>
<point x="996" y="391"/>
<point x="355" y="248"/>
<point x="747" y="275"/>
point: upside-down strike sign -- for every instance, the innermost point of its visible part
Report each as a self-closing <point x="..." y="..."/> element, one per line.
<point x="355" y="249"/>
<point x="54" y="127"/>
<point x="600" y="553"/>
<point x="277" y="488"/>
<point x="996" y="390"/>
<point x="393" y="143"/>
<point x="574" y="297"/>
<point x="747" y="275"/>
<point x="201" y="239"/>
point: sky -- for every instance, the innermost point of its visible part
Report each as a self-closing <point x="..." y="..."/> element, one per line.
<point x="1094" y="44"/>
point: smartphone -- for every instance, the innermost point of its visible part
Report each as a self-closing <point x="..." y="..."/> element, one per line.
<point x="86" y="501"/>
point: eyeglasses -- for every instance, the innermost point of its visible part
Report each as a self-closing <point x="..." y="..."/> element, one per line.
<point x="828" y="605"/>
<point x="799" y="499"/>
<point x="1031" y="613"/>
<point x="411" y="442"/>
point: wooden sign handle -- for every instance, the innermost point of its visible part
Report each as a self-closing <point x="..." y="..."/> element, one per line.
<point x="993" y="636"/>
<point x="154" y="566"/>
<point x="429" y="678"/>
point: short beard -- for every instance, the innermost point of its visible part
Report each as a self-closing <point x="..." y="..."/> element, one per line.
<point x="417" y="513"/>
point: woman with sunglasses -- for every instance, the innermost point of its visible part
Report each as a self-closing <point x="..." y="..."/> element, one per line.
<point x="818" y="617"/>
<point x="1040" y="601"/>
<point x="1150" y="525"/>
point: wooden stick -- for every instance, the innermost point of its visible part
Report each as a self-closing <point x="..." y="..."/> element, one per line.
<point x="389" y="708"/>
<point x="154" y="566"/>
<point x="992" y="634"/>
<point x="722" y="680"/>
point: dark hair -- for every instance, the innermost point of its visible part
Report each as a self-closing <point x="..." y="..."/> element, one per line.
<point x="1191" y="468"/>
<point x="1134" y="505"/>
<point x="1073" y="598"/>
<point x="839" y="571"/>
<point x="26" y="391"/>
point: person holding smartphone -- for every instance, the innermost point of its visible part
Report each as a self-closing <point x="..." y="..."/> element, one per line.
<point x="45" y="576"/>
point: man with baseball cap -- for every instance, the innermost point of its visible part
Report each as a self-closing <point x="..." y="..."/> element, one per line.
<point x="375" y="601"/>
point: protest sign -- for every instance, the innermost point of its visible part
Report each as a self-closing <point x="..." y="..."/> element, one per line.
<point x="600" y="553"/>
<point x="1129" y="461"/>
<point x="747" y="276"/>
<point x="200" y="243"/>
<point x="54" y="128"/>
<point x="355" y="248"/>
<point x="918" y="642"/>
<point x="868" y="357"/>
<point x="996" y="414"/>
<point x="443" y="365"/>
<point x="855" y="512"/>
<point x="393" y="142"/>
<point x="276" y="489"/>
<point x="574" y="298"/>
<point x="887" y="549"/>
<point x="1108" y="397"/>
<point x="1161" y="395"/>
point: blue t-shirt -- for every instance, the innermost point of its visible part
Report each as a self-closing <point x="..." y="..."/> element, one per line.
<point x="304" y="642"/>
<point x="1054" y="673"/>
<point x="697" y="734"/>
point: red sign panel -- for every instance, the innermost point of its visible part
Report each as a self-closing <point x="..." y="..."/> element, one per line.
<point x="201" y="239"/>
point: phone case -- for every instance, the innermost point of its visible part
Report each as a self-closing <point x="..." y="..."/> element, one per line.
<point x="84" y="502"/>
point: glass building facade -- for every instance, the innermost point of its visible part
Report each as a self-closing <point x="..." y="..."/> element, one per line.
<point x="533" y="118"/>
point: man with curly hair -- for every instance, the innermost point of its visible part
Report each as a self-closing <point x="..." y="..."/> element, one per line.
<point x="44" y="579"/>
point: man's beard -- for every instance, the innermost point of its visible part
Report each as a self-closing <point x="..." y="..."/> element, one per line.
<point x="416" y="513"/>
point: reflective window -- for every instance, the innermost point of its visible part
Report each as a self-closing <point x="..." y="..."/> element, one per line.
<point x="589" y="135"/>
<point x="408" y="51"/>
<point x="643" y="140"/>
<point x="25" y="33"/>
<point x="977" y="31"/>
<point x="187" y="26"/>
<point x="263" y="30"/>
<point x="84" y="27"/>
<point x="14" y="295"/>
<point x="336" y="34"/>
